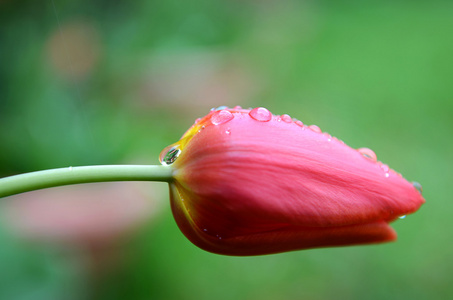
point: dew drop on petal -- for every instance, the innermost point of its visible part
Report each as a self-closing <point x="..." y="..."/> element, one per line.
<point x="222" y="107"/>
<point x="228" y="131"/>
<point x="402" y="217"/>
<point x="368" y="153"/>
<point x="299" y="123"/>
<point x="170" y="156"/>
<point x="418" y="186"/>
<point x="385" y="168"/>
<point x="260" y="114"/>
<point x="315" y="128"/>
<point x="237" y="107"/>
<point x="286" y="118"/>
<point x="221" y="117"/>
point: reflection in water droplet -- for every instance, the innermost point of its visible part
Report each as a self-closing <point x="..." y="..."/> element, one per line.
<point x="228" y="131"/>
<point x="402" y="217"/>
<point x="418" y="186"/>
<point x="221" y="117"/>
<point x="315" y="128"/>
<point x="286" y="118"/>
<point x="222" y="107"/>
<point x="368" y="153"/>
<point x="260" y="114"/>
<point x="171" y="156"/>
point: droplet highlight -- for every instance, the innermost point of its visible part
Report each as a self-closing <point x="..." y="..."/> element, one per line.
<point x="402" y="217"/>
<point x="221" y="117"/>
<point x="418" y="186"/>
<point x="261" y="114"/>
<point x="228" y="131"/>
<point x="368" y="153"/>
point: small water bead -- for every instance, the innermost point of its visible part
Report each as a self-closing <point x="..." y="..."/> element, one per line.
<point x="197" y="120"/>
<point x="402" y="217"/>
<point x="171" y="156"/>
<point x="260" y="114"/>
<point x="221" y="107"/>
<point x="418" y="186"/>
<point x="221" y="117"/>
<point x="385" y="168"/>
<point x="299" y="123"/>
<point x="328" y="136"/>
<point x="237" y="107"/>
<point x="315" y="128"/>
<point x="286" y="118"/>
<point x="228" y="131"/>
<point x="368" y="153"/>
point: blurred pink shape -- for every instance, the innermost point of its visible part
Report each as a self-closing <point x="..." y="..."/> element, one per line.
<point x="93" y="214"/>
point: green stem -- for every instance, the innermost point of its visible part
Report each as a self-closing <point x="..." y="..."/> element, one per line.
<point x="73" y="175"/>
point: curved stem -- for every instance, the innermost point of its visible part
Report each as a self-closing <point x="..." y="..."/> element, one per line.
<point x="73" y="175"/>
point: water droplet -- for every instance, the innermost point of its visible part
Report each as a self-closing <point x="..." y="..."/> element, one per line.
<point x="299" y="123"/>
<point x="171" y="156"/>
<point x="222" y="107"/>
<point x="237" y="107"/>
<point x="387" y="175"/>
<point x="205" y="230"/>
<point x="368" y="153"/>
<point x="228" y="131"/>
<point x="260" y="114"/>
<point x="328" y="136"/>
<point x="201" y="128"/>
<point x="402" y="217"/>
<point x="315" y="128"/>
<point x="286" y="118"/>
<point x="418" y="186"/>
<point x="385" y="168"/>
<point x="221" y="117"/>
<point x="197" y="120"/>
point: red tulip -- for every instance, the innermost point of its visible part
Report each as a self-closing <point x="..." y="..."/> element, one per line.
<point x="247" y="182"/>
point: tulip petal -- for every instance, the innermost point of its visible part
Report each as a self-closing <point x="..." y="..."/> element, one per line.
<point x="247" y="182"/>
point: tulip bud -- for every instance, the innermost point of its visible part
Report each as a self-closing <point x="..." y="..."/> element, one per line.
<point x="247" y="182"/>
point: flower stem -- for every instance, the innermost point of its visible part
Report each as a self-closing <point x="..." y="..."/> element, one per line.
<point x="72" y="175"/>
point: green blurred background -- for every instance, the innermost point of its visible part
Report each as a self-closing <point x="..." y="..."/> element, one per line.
<point x="111" y="82"/>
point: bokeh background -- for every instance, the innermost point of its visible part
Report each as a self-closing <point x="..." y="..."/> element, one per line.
<point x="112" y="82"/>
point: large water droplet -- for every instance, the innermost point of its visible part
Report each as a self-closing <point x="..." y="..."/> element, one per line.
<point x="286" y="118"/>
<point x="418" y="186"/>
<point x="368" y="153"/>
<point x="261" y="114"/>
<point x="171" y="156"/>
<point x="315" y="128"/>
<point x="221" y="117"/>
